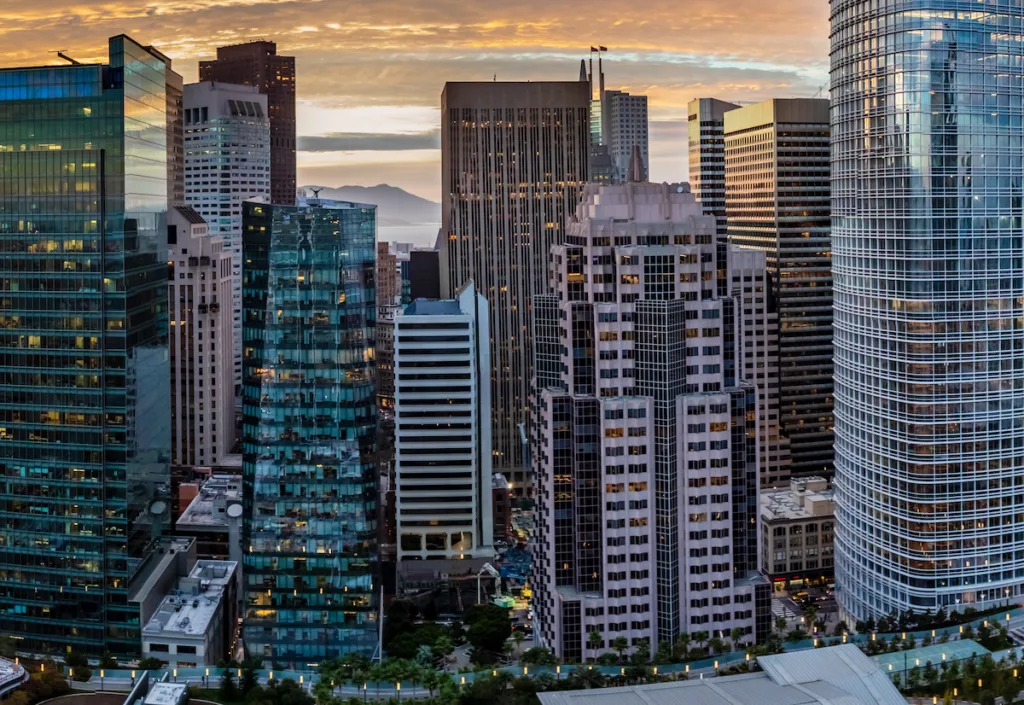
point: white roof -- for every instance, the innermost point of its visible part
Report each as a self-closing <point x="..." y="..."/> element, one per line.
<point x="839" y="675"/>
<point x="845" y="667"/>
<point x="166" y="694"/>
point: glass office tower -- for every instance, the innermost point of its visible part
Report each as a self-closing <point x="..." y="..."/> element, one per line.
<point x="84" y="419"/>
<point x="309" y="430"/>
<point x="927" y="181"/>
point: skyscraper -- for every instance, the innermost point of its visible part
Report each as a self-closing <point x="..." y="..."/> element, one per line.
<point x="706" y="145"/>
<point x="644" y="437"/>
<point x="624" y="126"/>
<point x="258" y="64"/>
<point x="443" y="411"/>
<point x="227" y="160"/>
<point x="777" y="201"/>
<point x="618" y="123"/>
<point x="201" y="341"/>
<point x="310" y="421"/>
<point x="84" y="417"/>
<point x="927" y="172"/>
<point x="513" y="165"/>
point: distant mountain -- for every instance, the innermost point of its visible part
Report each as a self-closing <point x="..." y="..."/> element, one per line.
<point x="395" y="207"/>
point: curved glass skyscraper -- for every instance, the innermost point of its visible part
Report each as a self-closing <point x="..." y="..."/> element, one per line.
<point x="927" y="170"/>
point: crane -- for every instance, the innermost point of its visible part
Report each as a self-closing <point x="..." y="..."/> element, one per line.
<point x="490" y="570"/>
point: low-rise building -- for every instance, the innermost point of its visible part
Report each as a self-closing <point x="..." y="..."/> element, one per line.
<point x="211" y="518"/>
<point x="195" y="622"/>
<point x="188" y="607"/>
<point x="797" y="524"/>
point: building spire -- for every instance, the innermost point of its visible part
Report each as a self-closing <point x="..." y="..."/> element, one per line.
<point x="583" y="70"/>
<point x="636" y="166"/>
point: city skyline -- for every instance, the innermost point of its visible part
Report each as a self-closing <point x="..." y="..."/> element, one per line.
<point x="364" y="119"/>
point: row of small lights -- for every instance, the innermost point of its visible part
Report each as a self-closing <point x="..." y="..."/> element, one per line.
<point x="558" y="668"/>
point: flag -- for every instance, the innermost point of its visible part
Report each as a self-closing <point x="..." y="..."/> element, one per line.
<point x="592" y="49"/>
<point x="602" y="48"/>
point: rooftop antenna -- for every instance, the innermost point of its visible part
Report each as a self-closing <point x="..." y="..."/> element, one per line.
<point x="60" y="53"/>
<point x="316" y="191"/>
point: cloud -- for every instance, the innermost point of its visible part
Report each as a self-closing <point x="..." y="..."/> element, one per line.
<point x="369" y="142"/>
<point x="394" y="56"/>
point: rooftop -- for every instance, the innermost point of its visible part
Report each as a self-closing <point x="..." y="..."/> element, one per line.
<point x="209" y="508"/>
<point x="806" y="498"/>
<point x="190" y="215"/>
<point x="433" y="307"/>
<point x="190" y="608"/>
<point x="839" y="675"/>
<point x="166" y="694"/>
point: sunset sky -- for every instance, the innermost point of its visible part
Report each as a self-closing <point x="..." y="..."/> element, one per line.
<point x="370" y="73"/>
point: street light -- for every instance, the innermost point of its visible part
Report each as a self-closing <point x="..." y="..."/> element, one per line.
<point x="398" y="689"/>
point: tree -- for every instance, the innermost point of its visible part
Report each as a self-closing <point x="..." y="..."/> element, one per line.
<point x="250" y="680"/>
<point x="518" y="637"/>
<point x="840" y="628"/>
<point x="700" y="639"/>
<point x="108" y="661"/>
<point x="664" y="652"/>
<point x="780" y="624"/>
<point x="489" y="628"/>
<point x="716" y="645"/>
<point x="151" y="663"/>
<point x="537" y="656"/>
<point x="443" y="646"/>
<point x="228" y="690"/>
<point x="620" y="644"/>
<point x="595" y="640"/>
<point x="7" y="647"/>
<point x="737" y="637"/>
<point x="76" y="659"/>
<point x="681" y="648"/>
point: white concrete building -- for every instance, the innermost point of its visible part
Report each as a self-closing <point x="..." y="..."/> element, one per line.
<point x="443" y="429"/>
<point x="195" y="622"/>
<point x="201" y="341"/>
<point x="227" y="161"/>
<point x="644" y="440"/>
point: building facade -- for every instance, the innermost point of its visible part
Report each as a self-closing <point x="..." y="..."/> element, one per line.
<point x="84" y="418"/>
<point x="798" y="534"/>
<point x="644" y="440"/>
<point x="929" y="320"/>
<point x="624" y="119"/>
<point x="227" y="161"/>
<point x="513" y="165"/>
<point x="201" y="341"/>
<point x="443" y="442"/>
<point x="258" y="64"/>
<point x="309" y="430"/>
<point x="777" y="201"/>
<point x="706" y="149"/>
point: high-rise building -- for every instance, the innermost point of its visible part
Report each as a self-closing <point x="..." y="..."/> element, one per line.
<point x="443" y="447"/>
<point x="258" y="64"/>
<point x="310" y="421"/>
<point x="513" y="165"/>
<point x="175" y="137"/>
<point x="624" y="120"/>
<point x="706" y="150"/>
<point x="227" y="161"/>
<point x="777" y="201"/>
<point x="424" y="274"/>
<point x="644" y="441"/>
<point x="84" y="418"/>
<point x="201" y="341"/>
<point x="929" y="321"/>
<point x="618" y="124"/>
